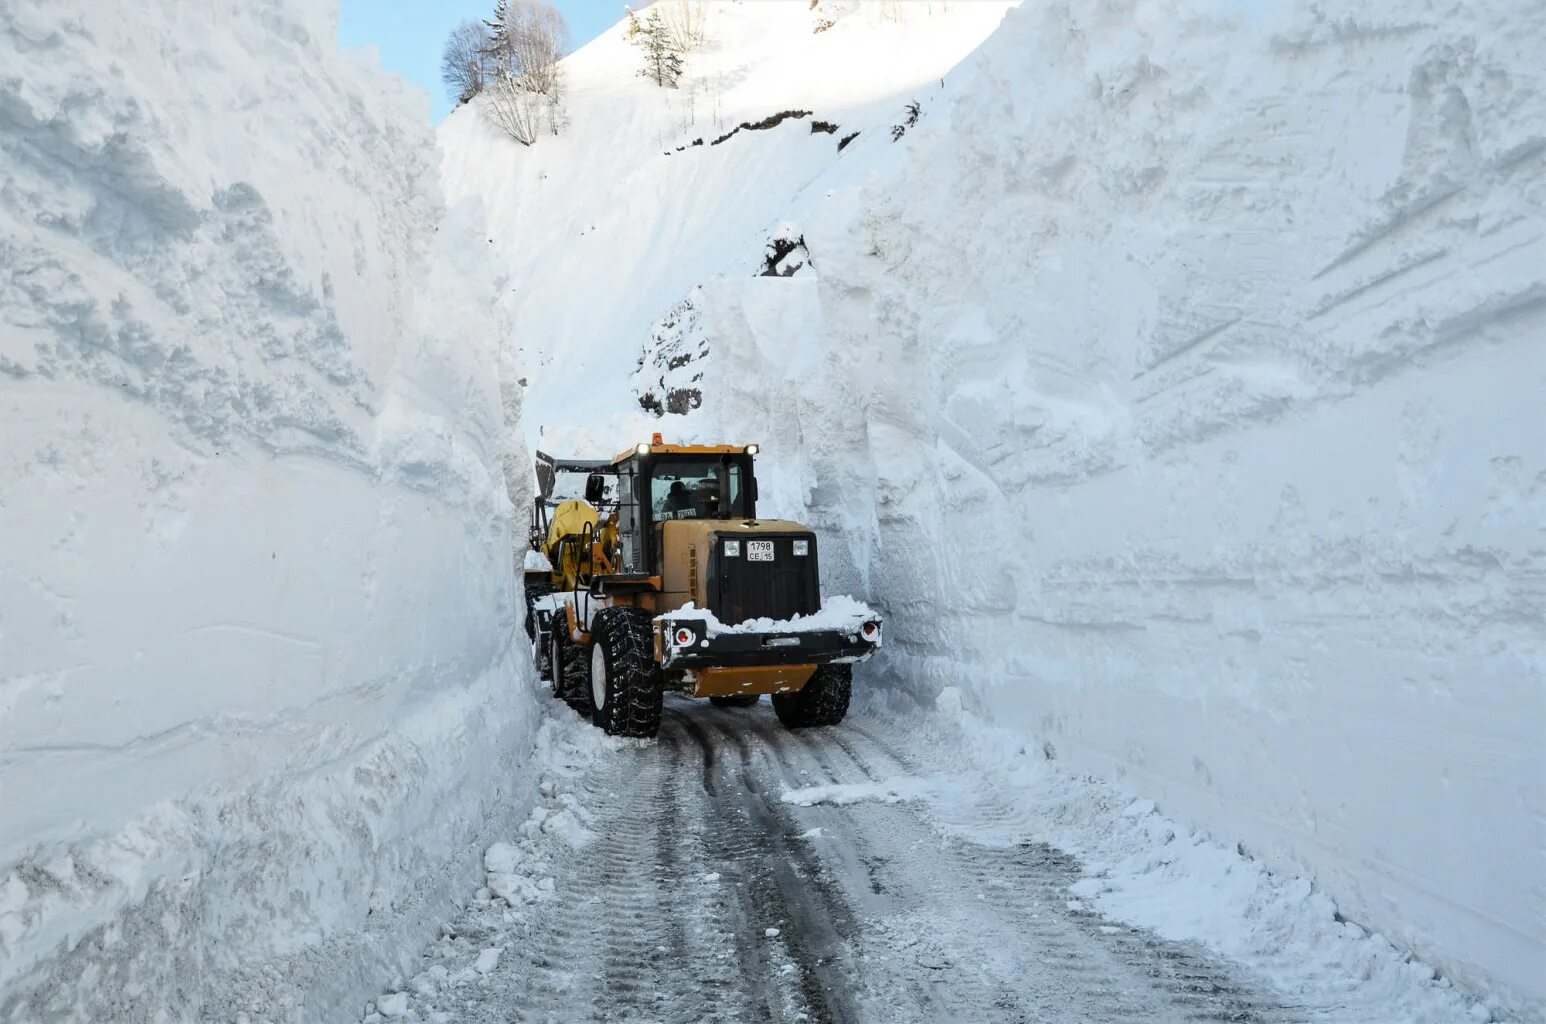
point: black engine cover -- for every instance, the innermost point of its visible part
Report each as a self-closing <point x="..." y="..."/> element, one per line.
<point x="740" y="588"/>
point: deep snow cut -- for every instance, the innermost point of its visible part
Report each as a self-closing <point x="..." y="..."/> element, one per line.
<point x="1169" y="380"/>
<point x="255" y="539"/>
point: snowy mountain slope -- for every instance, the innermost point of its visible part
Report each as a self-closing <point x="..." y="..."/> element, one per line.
<point x="255" y="557"/>
<point x="595" y="226"/>
<point x="1174" y="383"/>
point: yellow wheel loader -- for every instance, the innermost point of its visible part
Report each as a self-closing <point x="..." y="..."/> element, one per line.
<point x="660" y="577"/>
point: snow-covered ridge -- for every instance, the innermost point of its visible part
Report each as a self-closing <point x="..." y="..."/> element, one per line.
<point x="255" y="558"/>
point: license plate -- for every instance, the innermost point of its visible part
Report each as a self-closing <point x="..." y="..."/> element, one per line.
<point x="759" y="551"/>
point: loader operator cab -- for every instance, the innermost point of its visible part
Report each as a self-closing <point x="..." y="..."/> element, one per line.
<point x="635" y="492"/>
<point x="657" y="486"/>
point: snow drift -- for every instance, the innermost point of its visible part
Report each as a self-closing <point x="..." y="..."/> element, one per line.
<point x="1173" y="384"/>
<point x="255" y="545"/>
<point x="1246" y="365"/>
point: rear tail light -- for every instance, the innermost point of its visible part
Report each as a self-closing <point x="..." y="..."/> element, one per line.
<point x="683" y="636"/>
<point x="871" y="630"/>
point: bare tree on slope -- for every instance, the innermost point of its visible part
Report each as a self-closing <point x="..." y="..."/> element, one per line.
<point x="517" y="111"/>
<point x="465" y="63"/>
<point x="530" y="38"/>
<point x="683" y="21"/>
<point x="524" y="93"/>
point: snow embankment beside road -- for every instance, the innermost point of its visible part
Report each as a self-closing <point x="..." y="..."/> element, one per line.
<point x="257" y="695"/>
<point x="1182" y="402"/>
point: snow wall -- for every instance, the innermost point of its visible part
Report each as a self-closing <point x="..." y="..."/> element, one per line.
<point x="259" y="707"/>
<point x="1181" y="395"/>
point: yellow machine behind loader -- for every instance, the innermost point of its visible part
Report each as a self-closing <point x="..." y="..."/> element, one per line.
<point x="663" y="578"/>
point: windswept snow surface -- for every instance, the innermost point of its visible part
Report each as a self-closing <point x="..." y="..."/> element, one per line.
<point x="258" y="704"/>
<point x="1173" y="386"/>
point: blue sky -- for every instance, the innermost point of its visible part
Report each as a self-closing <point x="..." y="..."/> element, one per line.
<point x="410" y="33"/>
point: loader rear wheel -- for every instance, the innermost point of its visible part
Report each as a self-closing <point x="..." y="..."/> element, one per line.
<point x="823" y="700"/>
<point x="735" y="701"/>
<point x="536" y="589"/>
<point x="566" y="664"/>
<point x="624" y="679"/>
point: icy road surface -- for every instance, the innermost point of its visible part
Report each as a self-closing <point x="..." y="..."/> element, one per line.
<point x="738" y="871"/>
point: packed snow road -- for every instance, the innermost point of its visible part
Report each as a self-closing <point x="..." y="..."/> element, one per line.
<point x="734" y="870"/>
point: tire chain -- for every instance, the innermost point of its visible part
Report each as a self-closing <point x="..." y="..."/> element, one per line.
<point x="633" y="679"/>
<point x="571" y="672"/>
<point x="823" y="700"/>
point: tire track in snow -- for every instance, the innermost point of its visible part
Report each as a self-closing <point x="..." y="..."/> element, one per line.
<point x="882" y="912"/>
<point x="780" y="885"/>
<point x="1130" y="974"/>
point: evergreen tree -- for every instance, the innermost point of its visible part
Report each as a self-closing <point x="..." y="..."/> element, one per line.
<point x="500" y="46"/>
<point x="662" y="58"/>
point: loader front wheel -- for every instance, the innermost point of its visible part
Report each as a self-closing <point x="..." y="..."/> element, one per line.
<point x="823" y="700"/>
<point x="624" y="679"/>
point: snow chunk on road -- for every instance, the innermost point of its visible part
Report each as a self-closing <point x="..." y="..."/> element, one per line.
<point x="488" y="959"/>
<point x="516" y="889"/>
<point x="563" y="824"/>
<point x="887" y="791"/>
<point x="502" y="858"/>
<point x="504" y="863"/>
<point x="394" y="1005"/>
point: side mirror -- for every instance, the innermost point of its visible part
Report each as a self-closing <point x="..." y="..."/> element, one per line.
<point x="595" y="488"/>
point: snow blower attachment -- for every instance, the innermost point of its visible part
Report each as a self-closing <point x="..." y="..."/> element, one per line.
<point x="663" y="578"/>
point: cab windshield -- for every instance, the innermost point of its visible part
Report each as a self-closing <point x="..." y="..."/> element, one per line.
<point x="696" y="489"/>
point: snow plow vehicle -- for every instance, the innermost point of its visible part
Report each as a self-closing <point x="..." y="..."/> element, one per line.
<point x="661" y="578"/>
